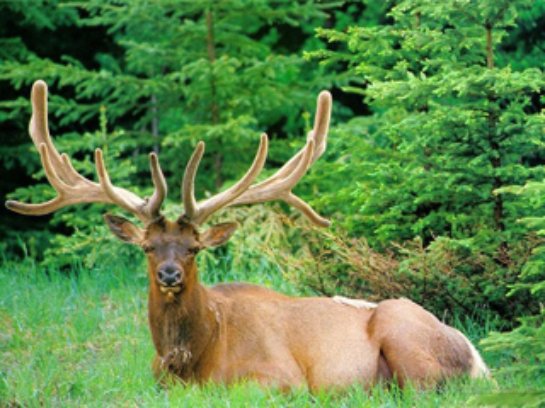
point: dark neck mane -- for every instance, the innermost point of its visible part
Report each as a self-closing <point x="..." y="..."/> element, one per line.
<point x="183" y="329"/>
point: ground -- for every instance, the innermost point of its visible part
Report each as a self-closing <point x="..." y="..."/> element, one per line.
<point x="84" y="341"/>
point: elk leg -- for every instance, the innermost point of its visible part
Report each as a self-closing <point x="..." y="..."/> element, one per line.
<point x="163" y="376"/>
<point x="417" y="347"/>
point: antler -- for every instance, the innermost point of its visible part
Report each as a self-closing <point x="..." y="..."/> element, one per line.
<point x="71" y="186"/>
<point x="276" y="187"/>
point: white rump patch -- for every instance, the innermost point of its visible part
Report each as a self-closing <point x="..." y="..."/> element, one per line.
<point x="478" y="366"/>
<point x="357" y="303"/>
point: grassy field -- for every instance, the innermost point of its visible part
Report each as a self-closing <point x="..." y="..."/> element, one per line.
<point x="84" y="341"/>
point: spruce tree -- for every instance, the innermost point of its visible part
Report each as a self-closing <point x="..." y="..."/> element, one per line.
<point x="451" y="126"/>
<point x="173" y="73"/>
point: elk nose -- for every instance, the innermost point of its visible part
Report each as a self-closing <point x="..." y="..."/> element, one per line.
<point x="169" y="275"/>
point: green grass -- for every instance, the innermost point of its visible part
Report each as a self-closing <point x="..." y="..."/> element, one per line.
<point x="84" y="341"/>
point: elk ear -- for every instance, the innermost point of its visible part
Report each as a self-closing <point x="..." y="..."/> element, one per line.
<point x="218" y="234"/>
<point x="124" y="229"/>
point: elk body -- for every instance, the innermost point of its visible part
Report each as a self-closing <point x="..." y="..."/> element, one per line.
<point x="240" y="331"/>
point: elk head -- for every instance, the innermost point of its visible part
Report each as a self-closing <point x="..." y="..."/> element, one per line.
<point x="171" y="246"/>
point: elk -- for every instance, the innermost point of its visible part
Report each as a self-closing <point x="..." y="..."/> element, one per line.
<point x="231" y="332"/>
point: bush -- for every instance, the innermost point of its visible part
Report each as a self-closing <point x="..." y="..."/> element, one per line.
<point x="446" y="277"/>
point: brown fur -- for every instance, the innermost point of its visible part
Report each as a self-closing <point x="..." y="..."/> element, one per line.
<point x="240" y="331"/>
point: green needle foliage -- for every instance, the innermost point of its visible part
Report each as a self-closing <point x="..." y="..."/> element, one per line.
<point x="451" y="125"/>
<point x="170" y="73"/>
<point x="524" y="346"/>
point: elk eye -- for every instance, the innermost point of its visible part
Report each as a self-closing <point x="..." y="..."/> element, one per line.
<point x="148" y="248"/>
<point x="194" y="250"/>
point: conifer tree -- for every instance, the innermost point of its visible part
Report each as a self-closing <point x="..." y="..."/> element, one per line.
<point x="523" y="346"/>
<point x="176" y="72"/>
<point x="451" y="126"/>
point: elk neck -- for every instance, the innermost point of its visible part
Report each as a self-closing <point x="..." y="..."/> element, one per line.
<point x="190" y="322"/>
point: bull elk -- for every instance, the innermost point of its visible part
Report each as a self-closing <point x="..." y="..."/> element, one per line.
<point x="240" y="331"/>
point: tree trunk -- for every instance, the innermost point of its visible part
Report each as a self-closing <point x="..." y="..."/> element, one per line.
<point x="214" y="108"/>
<point x="154" y="124"/>
<point x="498" y="211"/>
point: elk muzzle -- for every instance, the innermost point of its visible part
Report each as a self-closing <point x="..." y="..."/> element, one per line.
<point x="170" y="277"/>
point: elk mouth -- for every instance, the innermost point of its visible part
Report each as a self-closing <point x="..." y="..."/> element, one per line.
<point x="170" y="292"/>
<point x="171" y="289"/>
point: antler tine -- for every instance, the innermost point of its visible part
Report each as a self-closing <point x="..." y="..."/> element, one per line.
<point x="281" y="189"/>
<point x="56" y="183"/>
<point x="215" y="203"/>
<point x="307" y="210"/>
<point x="318" y="134"/>
<point x="198" y="213"/>
<point x="285" y="184"/>
<point x="39" y="132"/>
<point x="146" y="210"/>
<point x="71" y="186"/>
<point x="35" y="209"/>
<point x="279" y="185"/>
<point x="49" y="169"/>
<point x="188" y="182"/>
<point x="160" y="186"/>
<point x="321" y="124"/>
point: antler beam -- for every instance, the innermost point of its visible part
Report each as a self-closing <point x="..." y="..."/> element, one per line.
<point x="71" y="186"/>
<point x="276" y="187"/>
